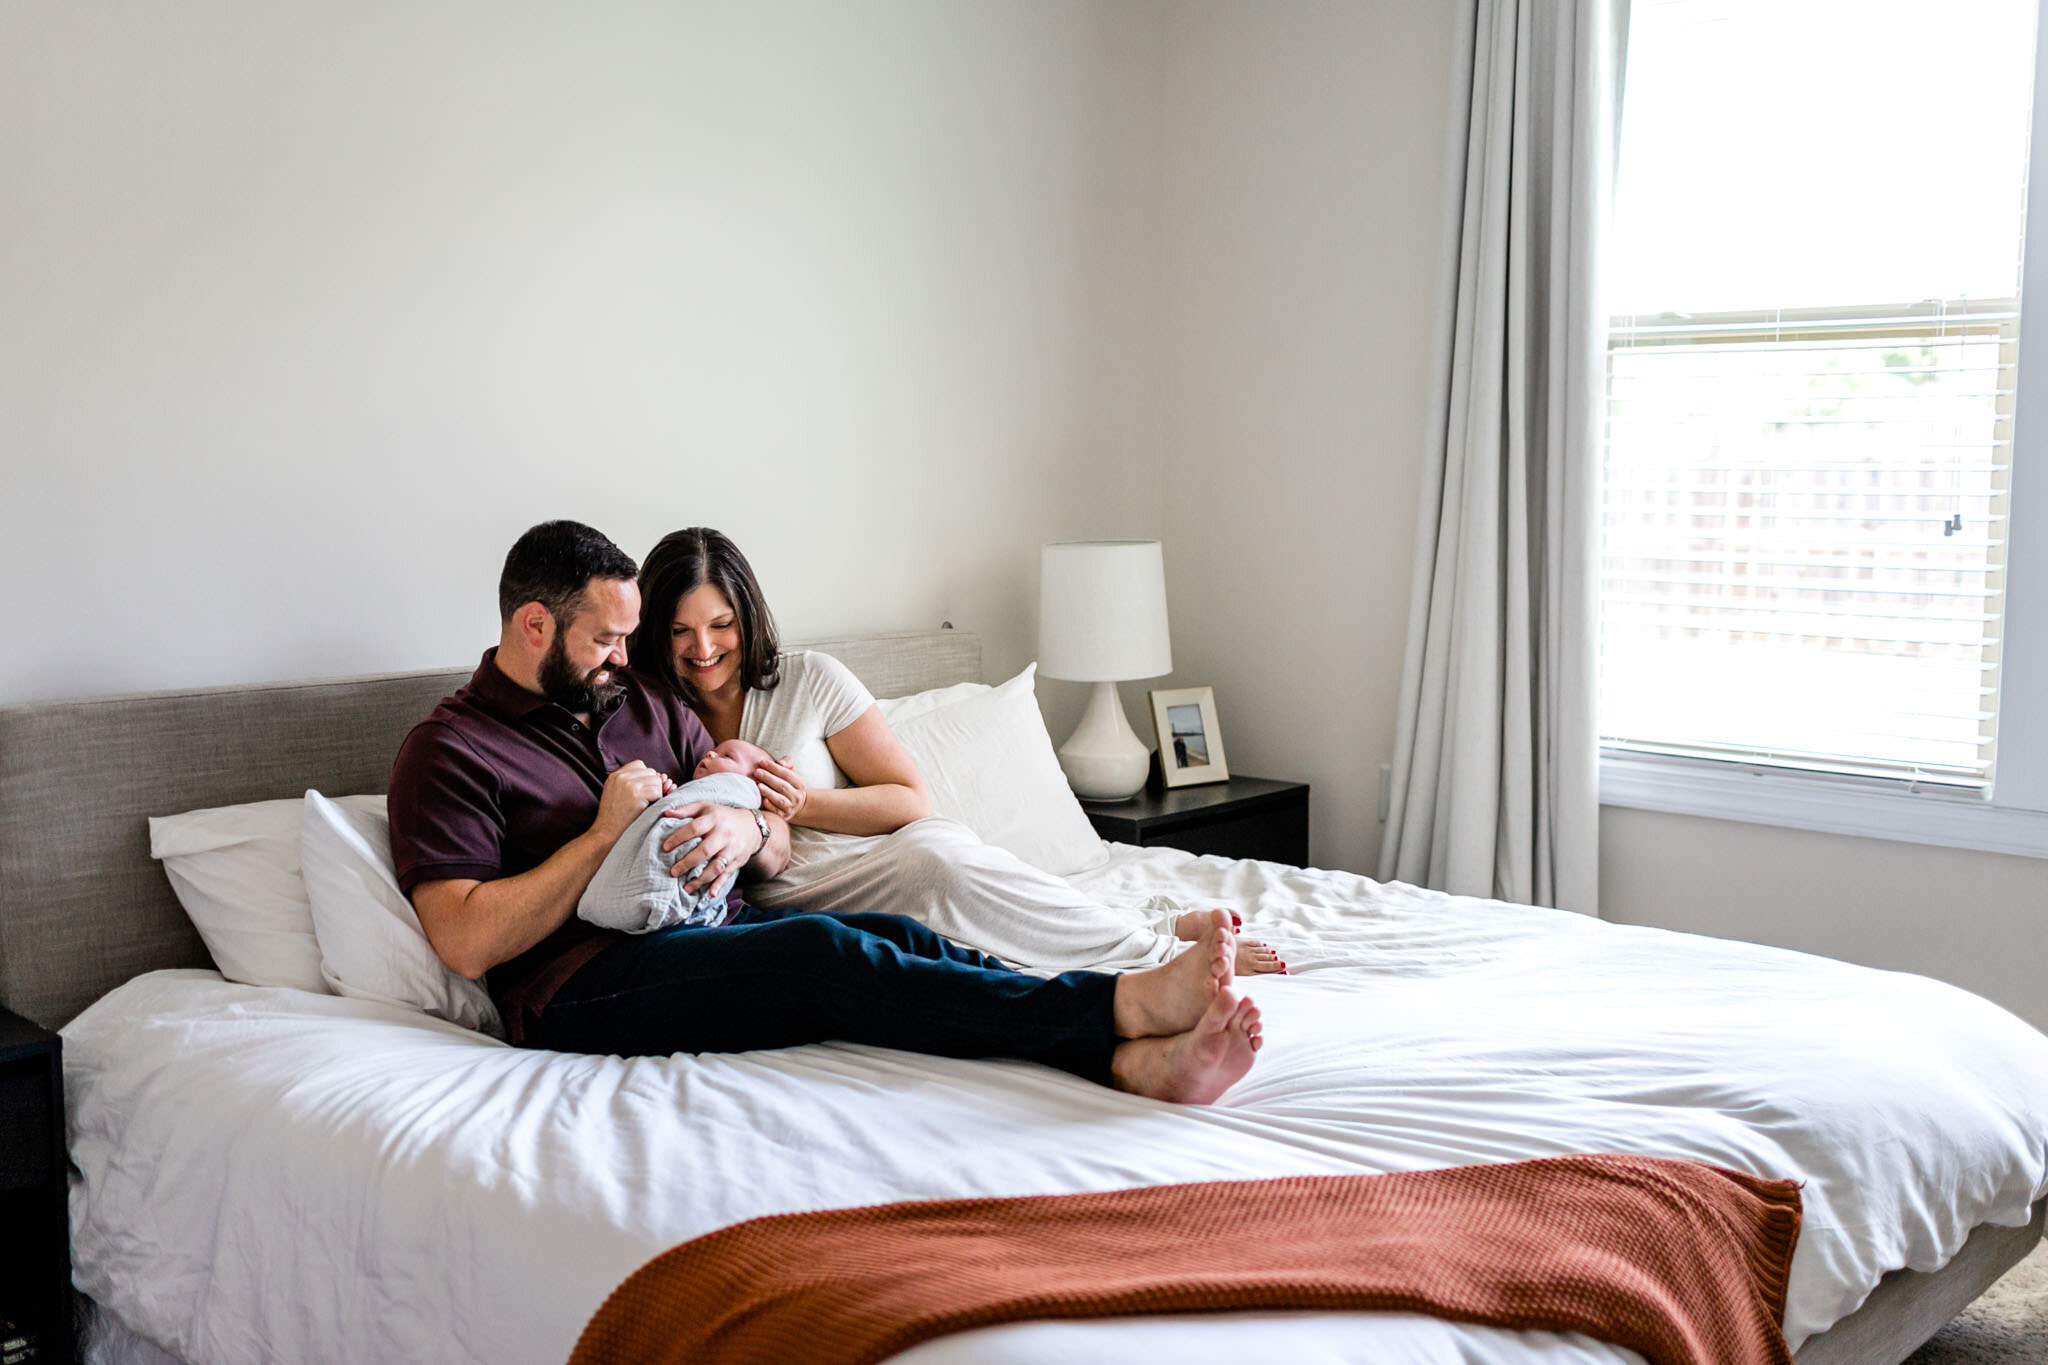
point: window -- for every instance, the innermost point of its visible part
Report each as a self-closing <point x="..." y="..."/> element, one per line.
<point x="1809" y="601"/>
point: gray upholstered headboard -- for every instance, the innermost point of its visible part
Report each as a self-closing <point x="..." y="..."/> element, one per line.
<point x="83" y="907"/>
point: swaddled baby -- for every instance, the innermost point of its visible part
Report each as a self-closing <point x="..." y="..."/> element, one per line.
<point x="634" y="890"/>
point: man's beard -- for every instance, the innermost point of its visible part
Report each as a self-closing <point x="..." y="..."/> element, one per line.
<point x="561" y="684"/>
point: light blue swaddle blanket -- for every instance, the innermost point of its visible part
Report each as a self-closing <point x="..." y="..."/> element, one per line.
<point x="634" y="891"/>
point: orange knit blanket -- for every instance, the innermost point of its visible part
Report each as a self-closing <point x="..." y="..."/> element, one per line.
<point x="1678" y="1261"/>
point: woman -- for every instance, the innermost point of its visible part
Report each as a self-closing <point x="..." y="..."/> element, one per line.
<point x="866" y="840"/>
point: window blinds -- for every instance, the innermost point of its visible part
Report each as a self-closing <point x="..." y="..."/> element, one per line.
<point x="1803" y="532"/>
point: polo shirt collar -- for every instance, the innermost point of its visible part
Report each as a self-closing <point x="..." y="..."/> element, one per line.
<point x="508" y="701"/>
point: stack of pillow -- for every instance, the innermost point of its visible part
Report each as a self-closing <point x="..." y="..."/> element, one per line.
<point x="300" y="893"/>
<point x="989" y="764"/>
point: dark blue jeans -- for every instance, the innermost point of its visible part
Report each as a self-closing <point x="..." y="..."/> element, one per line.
<point x="778" y="978"/>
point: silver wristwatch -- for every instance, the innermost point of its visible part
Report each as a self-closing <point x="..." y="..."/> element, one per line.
<point x="761" y="823"/>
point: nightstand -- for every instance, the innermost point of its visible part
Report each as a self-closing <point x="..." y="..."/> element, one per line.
<point x="35" y="1227"/>
<point x="1245" y="817"/>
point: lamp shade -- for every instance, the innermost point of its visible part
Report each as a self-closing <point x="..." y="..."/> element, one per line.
<point x="1102" y="611"/>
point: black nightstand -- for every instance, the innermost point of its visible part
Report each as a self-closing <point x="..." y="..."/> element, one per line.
<point x="1245" y="817"/>
<point x="35" y="1227"/>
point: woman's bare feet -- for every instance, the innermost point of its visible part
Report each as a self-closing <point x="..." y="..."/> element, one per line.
<point x="1161" y="1001"/>
<point x="1254" y="957"/>
<point x="1197" y="1066"/>
<point x="1189" y="927"/>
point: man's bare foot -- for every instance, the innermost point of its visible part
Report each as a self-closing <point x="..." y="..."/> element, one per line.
<point x="1189" y="927"/>
<point x="1161" y="1001"/>
<point x="1254" y="957"/>
<point x="1197" y="1066"/>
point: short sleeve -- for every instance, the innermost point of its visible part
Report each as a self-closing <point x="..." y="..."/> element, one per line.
<point x="837" y="697"/>
<point x="816" y="698"/>
<point x="444" y="808"/>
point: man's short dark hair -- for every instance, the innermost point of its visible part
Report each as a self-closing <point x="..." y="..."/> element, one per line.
<point x="553" y="563"/>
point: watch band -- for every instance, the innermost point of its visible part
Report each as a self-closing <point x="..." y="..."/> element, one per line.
<point x="761" y="823"/>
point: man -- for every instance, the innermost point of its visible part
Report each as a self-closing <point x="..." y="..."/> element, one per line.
<point x="506" y="799"/>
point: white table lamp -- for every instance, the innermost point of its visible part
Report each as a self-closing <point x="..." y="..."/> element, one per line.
<point x="1102" y="619"/>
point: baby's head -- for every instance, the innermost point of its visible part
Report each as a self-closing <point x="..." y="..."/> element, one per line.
<point x="733" y="756"/>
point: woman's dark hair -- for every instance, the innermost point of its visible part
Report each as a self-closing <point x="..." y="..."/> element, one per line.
<point x="682" y="562"/>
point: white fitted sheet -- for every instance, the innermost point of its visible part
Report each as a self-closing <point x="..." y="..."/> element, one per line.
<point x="273" y="1175"/>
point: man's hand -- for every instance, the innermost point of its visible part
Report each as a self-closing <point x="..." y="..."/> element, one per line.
<point x="627" y="792"/>
<point x="730" y="837"/>
<point x="475" y="925"/>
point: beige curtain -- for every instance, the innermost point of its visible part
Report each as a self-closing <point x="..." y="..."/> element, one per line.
<point x="1496" y="777"/>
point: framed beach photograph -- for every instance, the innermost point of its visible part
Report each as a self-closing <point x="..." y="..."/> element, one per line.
<point x="1190" y="745"/>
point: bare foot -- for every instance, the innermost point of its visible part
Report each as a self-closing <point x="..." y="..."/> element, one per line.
<point x="1254" y="957"/>
<point x="1189" y="927"/>
<point x="1197" y="1066"/>
<point x="1165" y="1000"/>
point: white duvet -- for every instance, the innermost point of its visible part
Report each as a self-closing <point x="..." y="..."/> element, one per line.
<point x="269" y="1175"/>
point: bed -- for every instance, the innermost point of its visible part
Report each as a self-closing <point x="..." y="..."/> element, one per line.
<point x="271" y="1174"/>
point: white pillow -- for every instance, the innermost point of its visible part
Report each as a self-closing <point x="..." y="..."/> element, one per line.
<point x="235" y="869"/>
<point x="990" y="765"/>
<point x="896" y="710"/>
<point x="371" y="944"/>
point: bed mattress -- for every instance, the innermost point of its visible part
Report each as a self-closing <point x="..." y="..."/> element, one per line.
<point x="268" y="1175"/>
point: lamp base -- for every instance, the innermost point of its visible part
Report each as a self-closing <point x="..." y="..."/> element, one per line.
<point x="1104" y="760"/>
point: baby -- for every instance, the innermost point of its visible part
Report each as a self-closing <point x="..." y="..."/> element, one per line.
<point x="634" y="889"/>
<point x="733" y="756"/>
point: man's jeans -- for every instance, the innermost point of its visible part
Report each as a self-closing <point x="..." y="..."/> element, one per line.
<point x="777" y="978"/>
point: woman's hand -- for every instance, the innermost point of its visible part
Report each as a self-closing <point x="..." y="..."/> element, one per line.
<point x="783" y="791"/>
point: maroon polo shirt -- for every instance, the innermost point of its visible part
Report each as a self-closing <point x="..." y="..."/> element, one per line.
<point x="497" y="779"/>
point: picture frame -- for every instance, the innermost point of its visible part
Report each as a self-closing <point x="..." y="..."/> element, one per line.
<point x="1190" y="742"/>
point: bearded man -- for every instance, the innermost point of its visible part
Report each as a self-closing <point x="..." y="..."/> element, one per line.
<point x="506" y="799"/>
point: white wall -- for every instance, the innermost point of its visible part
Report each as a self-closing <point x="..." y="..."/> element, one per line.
<point x="306" y="311"/>
<point x="1303" y="194"/>
<point x="1974" y="919"/>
